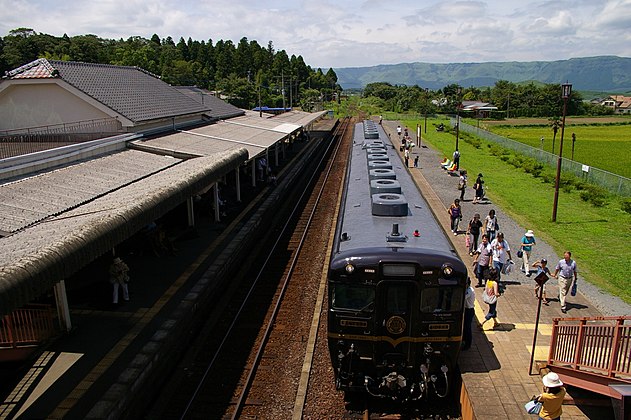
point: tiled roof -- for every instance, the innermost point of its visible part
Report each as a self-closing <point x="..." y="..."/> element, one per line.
<point x="218" y="108"/>
<point x="130" y="91"/>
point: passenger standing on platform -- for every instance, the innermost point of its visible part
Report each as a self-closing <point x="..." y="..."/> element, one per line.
<point x="551" y="398"/>
<point x="483" y="260"/>
<point x="565" y="271"/>
<point x="542" y="267"/>
<point x="474" y="230"/>
<point x="455" y="212"/>
<point x="399" y="130"/>
<point x="119" y="276"/>
<point x="479" y="189"/>
<point x="406" y="156"/>
<point x="469" y="313"/>
<point x="456" y="157"/>
<point x="416" y="161"/>
<point x="501" y="254"/>
<point x="462" y="184"/>
<point x="380" y="120"/>
<point x="527" y="242"/>
<point x="491" y="225"/>
<point x="491" y="293"/>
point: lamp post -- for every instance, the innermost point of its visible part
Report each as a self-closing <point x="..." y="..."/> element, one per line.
<point x="566" y="91"/>
<point x="426" y="106"/>
<point x="573" y="140"/>
<point x="458" y="119"/>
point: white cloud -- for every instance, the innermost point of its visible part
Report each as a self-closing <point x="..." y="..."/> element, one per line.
<point x="354" y="32"/>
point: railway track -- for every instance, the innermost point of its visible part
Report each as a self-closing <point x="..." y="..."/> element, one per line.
<point x="248" y="359"/>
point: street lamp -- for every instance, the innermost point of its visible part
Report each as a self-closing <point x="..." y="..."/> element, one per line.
<point x="458" y="120"/>
<point x="573" y="140"/>
<point x="426" y="106"/>
<point x="566" y="91"/>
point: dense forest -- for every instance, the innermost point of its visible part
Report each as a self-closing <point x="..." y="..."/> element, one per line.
<point x="248" y="74"/>
<point x="243" y="73"/>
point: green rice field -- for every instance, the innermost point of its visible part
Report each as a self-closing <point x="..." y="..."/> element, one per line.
<point x="605" y="146"/>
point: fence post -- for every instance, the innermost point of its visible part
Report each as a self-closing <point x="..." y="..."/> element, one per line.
<point x="579" y="344"/>
<point x="613" y="361"/>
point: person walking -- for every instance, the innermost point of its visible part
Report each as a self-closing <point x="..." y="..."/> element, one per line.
<point x="483" y="260"/>
<point x="527" y="242"/>
<point x="490" y="295"/>
<point x="416" y="161"/>
<point x="501" y="254"/>
<point x="119" y="277"/>
<point x="473" y="229"/>
<point x="479" y="189"/>
<point x="551" y="398"/>
<point x="455" y="212"/>
<point x="469" y="314"/>
<point x="406" y="156"/>
<point x="462" y="184"/>
<point x="491" y="225"/>
<point x="565" y="271"/>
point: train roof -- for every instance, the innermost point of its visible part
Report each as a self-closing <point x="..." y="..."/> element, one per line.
<point x="360" y="228"/>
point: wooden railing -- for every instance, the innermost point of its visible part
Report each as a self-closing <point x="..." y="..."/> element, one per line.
<point x="595" y="348"/>
<point x="27" y="327"/>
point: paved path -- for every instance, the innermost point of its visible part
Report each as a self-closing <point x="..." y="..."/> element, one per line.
<point x="495" y="369"/>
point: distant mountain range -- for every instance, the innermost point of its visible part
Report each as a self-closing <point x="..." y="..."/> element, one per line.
<point x="605" y="73"/>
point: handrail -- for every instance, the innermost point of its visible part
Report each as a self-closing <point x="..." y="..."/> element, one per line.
<point x="600" y="346"/>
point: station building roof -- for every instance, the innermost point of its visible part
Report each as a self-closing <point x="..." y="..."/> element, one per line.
<point x="55" y="221"/>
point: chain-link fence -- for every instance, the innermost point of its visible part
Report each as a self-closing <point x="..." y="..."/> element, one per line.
<point x="611" y="182"/>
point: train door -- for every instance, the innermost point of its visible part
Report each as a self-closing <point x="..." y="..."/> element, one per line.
<point x="395" y="317"/>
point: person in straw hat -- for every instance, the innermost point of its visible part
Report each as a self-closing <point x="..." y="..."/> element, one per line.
<point x="527" y="242"/>
<point x="551" y="398"/>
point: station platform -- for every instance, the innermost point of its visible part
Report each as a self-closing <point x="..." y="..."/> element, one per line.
<point x="495" y="369"/>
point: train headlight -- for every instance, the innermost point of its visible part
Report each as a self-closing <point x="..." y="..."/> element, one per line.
<point x="350" y="268"/>
<point x="447" y="270"/>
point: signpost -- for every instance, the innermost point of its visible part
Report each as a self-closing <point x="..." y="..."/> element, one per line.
<point x="541" y="279"/>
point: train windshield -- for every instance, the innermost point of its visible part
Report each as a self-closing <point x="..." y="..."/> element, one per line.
<point x="442" y="299"/>
<point x="353" y="296"/>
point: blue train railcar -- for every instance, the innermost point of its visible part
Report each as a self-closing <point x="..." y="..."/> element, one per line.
<point x="396" y="297"/>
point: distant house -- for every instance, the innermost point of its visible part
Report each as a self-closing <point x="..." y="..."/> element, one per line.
<point x="49" y="93"/>
<point x="620" y="104"/>
<point x="480" y="109"/>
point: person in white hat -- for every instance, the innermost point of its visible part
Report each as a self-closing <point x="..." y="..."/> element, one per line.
<point x="527" y="242"/>
<point x="551" y="398"/>
<point x="119" y="276"/>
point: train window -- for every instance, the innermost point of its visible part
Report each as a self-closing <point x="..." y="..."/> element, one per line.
<point x="399" y="270"/>
<point x="441" y="299"/>
<point x="352" y="296"/>
<point x="397" y="299"/>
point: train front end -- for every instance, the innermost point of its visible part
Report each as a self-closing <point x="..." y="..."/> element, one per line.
<point x="395" y="322"/>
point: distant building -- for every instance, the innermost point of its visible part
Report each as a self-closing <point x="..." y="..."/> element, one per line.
<point x="479" y="109"/>
<point x="619" y="103"/>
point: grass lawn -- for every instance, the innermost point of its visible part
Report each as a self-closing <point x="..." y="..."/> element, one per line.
<point x="599" y="238"/>
<point x="604" y="146"/>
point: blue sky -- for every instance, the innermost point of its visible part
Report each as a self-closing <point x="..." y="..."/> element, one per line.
<point x="353" y="33"/>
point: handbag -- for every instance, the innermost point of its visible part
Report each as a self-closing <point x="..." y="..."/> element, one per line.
<point x="490" y="299"/>
<point x="533" y="407"/>
<point x="520" y="253"/>
<point x="573" y="291"/>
